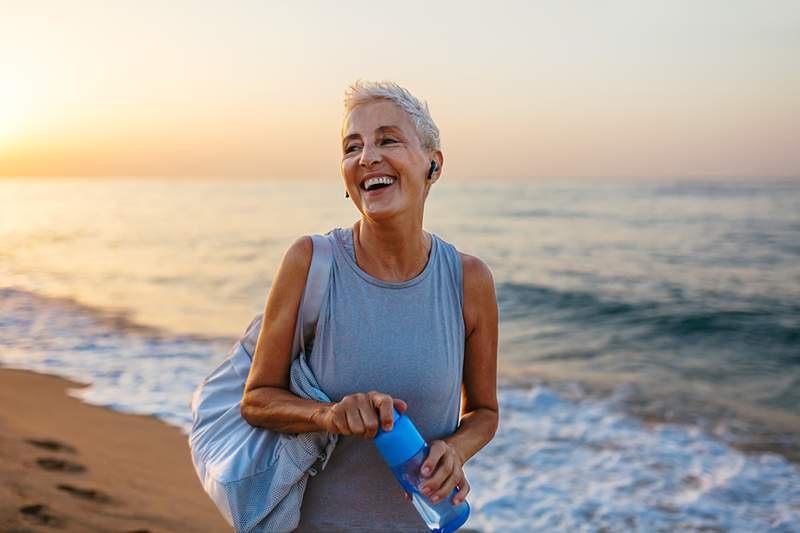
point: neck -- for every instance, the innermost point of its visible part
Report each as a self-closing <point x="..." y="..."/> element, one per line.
<point x="391" y="251"/>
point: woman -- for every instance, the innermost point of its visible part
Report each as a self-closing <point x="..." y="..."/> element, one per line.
<point x="408" y="321"/>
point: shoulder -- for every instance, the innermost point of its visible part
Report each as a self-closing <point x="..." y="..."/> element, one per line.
<point x="476" y="273"/>
<point x="297" y="258"/>
<point x="296" y="263"/>
<point x="300" y="251"/>
<point x="480" y="301"/>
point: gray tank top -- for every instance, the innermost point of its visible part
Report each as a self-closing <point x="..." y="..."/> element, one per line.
<point x="405" y="339"/>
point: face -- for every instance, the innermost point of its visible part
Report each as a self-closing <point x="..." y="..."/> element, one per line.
<point x="379" y="140"/>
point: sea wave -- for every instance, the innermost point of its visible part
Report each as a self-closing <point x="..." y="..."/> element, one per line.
<point x="676" y="317"/>
<point x="127" y="366"/>
<point x="562" y="462"/>
<point x="562" y="459"/>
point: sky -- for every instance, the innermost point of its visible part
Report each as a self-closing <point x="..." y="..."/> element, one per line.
<point x="526" y="90"/>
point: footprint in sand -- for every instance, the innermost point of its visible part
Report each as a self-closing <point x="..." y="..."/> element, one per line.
<point x="50" y="463"/>
<point x="86" y="494"/>
<point x="52" y="445"/>
<point x="41" y="514"/>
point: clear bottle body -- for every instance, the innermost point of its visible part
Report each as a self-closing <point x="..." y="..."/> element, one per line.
<point x="441" y="517"/>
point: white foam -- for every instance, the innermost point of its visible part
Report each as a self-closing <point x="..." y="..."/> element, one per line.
<point x="127" y="370"/>
<point x="559" y="461"/>
<point x="563" y="465"/>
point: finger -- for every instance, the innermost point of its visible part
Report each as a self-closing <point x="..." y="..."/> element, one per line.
<point x="463" y="490"/>
<point x="442" y="472"/>
<point x="354" y="422"/>
<point x="384" y="404"/>
<point x="447" y="486"/>
<point x="369" y="420"/>
<point x="406" y="496"/>
<point x="441" y="475"/>
<point x="400" y="405"/>
<point x="436" y="451"/>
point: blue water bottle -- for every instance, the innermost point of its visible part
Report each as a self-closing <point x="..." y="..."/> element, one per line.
<point x="404" y="450"/>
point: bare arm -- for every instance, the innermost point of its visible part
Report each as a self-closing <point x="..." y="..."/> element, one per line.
<point x="267" y="401"/>
<point x="480" y="412"/>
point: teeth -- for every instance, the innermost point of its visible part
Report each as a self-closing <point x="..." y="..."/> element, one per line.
<point x="380" y="179"/>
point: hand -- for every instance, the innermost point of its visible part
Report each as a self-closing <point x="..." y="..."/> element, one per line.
<point x="360" y="414"/>
<point x="446" y="466"/>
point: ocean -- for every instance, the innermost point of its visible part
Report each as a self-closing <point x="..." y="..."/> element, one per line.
<point x="649" y="349"/>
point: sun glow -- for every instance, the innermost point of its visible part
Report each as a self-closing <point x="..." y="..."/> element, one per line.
<point x="13" y="104"/>
<point x="6" y="123"/>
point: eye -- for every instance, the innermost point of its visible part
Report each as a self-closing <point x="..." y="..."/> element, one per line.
<point x="350" y="148"/>
<point x="387" y="140"/>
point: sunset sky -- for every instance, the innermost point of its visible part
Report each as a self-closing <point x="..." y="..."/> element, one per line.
<point x="538" y="90"/>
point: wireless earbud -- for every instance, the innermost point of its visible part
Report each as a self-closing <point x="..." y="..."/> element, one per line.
<point x="432" y="170"/>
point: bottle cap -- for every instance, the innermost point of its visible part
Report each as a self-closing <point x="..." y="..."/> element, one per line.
<point x="401" y="443"/>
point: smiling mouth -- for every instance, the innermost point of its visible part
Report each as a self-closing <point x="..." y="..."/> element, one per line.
<point x="376" y="187"/>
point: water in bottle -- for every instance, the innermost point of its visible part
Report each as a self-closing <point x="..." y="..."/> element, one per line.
<point x="404" y="450"/>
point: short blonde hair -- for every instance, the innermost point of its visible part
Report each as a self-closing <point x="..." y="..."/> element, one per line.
<point x="362" y="92"/>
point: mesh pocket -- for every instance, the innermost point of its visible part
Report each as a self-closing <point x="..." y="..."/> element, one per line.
<point x="268" y="501"/>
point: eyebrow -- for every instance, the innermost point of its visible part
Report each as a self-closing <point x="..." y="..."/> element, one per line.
<point x="379" y="129"/>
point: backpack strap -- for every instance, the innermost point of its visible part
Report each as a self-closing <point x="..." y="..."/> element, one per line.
<point x="316" y="286"/>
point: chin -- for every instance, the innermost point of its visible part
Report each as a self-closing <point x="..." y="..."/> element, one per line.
<point x="388" y="212"/>
<point x="380" y="214"/>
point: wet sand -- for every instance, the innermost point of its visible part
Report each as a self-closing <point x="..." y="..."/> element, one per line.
<point x="69" y="466"/>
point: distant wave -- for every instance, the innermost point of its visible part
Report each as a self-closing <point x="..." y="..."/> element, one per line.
<point x="723" y="189"/>
<point x="764" y="321"/>
<point x="549" y="213"/>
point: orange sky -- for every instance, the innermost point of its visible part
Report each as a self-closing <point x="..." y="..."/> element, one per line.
<point x="534" y="90"/>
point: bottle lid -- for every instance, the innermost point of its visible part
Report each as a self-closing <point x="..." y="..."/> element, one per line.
<point x="401" y="443"/>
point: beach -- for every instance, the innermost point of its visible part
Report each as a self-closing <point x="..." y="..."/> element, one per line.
<point x="69" y="466"/>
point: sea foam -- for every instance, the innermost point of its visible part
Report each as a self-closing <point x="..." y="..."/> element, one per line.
<point x="560" y="461"/>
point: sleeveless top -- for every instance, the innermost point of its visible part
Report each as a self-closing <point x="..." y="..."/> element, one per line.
<point x="405" y="339"/>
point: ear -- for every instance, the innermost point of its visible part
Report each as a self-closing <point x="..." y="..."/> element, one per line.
<point x="437" y="157"/>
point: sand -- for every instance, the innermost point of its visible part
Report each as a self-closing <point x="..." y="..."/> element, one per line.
<point x="69" y="466"/>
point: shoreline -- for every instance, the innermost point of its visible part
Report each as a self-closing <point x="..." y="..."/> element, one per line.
<point x="66" y="465"/>
<point x="69" y="466"/>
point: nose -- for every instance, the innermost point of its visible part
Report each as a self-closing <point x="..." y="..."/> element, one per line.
<point x="369" y="156"/>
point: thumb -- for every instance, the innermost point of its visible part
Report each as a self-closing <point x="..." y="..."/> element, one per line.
<point x="406" y="496"/>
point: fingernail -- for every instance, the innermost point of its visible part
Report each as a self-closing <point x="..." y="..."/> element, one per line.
<point x="425" y="492"/>
<point x="435" y="499"/>
<point x="426" y="470"/>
